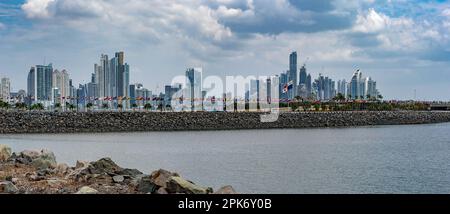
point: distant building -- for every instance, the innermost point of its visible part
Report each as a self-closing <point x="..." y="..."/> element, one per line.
<point x="5" y="89"/>
<point x="40" y="84"/>
<point x="304" y="88"/>
<point x="194" y="86"/>
<point x="342" y="87"/>
<point x="61" y="82"/>
<point x="362" y="88"/>
<point x="254" y="91"/>
<point x="283" y="82"/>
<point x="324" y="88"/>
<point x="293" y="75"/>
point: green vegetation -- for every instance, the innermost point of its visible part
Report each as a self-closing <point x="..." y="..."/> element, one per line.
<point x="37" y="106"/>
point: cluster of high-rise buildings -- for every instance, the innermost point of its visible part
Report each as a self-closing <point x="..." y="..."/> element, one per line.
<point x="323" y="88"/>
<point x="109" y="87"/>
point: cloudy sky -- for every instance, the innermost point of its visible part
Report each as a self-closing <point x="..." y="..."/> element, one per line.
<point x="403" y="44"/>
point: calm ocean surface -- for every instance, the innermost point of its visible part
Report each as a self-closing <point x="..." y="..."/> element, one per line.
<point x="384" y="159"/>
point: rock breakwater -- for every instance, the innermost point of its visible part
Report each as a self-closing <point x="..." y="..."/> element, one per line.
<point x="73" y="122"/>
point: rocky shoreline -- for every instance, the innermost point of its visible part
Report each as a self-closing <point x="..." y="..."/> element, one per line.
<point x="37" y="172"/>
<point x="75" y="122"/>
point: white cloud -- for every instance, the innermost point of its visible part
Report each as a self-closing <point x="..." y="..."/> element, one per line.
<point x="37" y="8"/>
<point x="145" y="18"/>
<point x="371" y="22"/>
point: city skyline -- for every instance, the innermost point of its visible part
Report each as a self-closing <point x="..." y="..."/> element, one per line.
<point x="404" y="49"/>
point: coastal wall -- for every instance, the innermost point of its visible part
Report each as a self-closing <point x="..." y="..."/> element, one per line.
<point x="72" y="122"/>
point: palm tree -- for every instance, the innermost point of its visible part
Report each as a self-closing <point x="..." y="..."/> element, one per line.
<point x="380" y="97"/>
<point x="21" y="106"/>
<point x="37" y="106"/>
<point x="339" y="97"/>
<point x="105" y="106"/>
<point x="134" y="106"/>
<point x="57" y="106"/>
<point x="147" y="106"/>
<point x="89" y="106"/>
<point x="71" y="107"/>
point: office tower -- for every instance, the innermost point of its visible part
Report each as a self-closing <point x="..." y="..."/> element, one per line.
<point x="324" y="88"/>
<point x="283" y="82"/>
<point x="92" y="92"/>
<point x="93" y="78"/>
<point x="269" y="90"/>
<point x="126" y="80"/>
<point x="56" y="96"/>
<point x="102" y="76"/>
<point x="31" y="85"/>
<point x="303" y="75"/>
<point x="5" y="89"/>
<point x="194" y="86"/>
<point x="40" y="83"/>
<point x="370" y="88"/>
<point x="293" y="74"/>
<point x="254" y="91"/>
<point x="342" y="87"/>
<point x="303" y="87"/>
<point x="132" y="91"/>
<point x="362" y="88"/>
<point x="169" y="92"/>
<point x="61" y="82"/>
<point x="308" y="85"/>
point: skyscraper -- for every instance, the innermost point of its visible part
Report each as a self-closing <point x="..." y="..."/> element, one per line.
<point x="61" y="82"/>
<point x="5" y="89"/>
<point x="293" y="74"/>
<point x="342" y="87"/>
<point x="194" y="86"/>
<point x="283" y="81"/>
<point x="102" y="76"/>
<point x="113" y="77"/>
<point x="362" y="88"/>
<point x="309" y="85"/>
<point x="40" y="83"/>
<point x="303" y="75"/>
<point x="303" y="90"/>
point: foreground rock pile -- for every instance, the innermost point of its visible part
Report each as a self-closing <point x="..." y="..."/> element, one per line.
<point x="37" y="172"/>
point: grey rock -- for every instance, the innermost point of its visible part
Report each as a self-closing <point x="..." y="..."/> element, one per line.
<point x="145" y="185"/>
<point x="179" y="185"/>
<point x="8" y="187"/>
<point x="118" y="179"/>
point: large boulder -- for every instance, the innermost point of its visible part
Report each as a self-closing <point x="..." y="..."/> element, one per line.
<point x="177" y="184"/>
<point x="45" y="160"/>
<point x="104" y="166"/>
<point x="145" y="185"/>
<point x="86" y="190"/>
<point x="5" y="153"/>
<point x="161" y="177"/>
<point x="8" y="187"/>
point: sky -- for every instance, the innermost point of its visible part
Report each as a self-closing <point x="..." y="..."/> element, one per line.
<point x="403" y="44"/>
